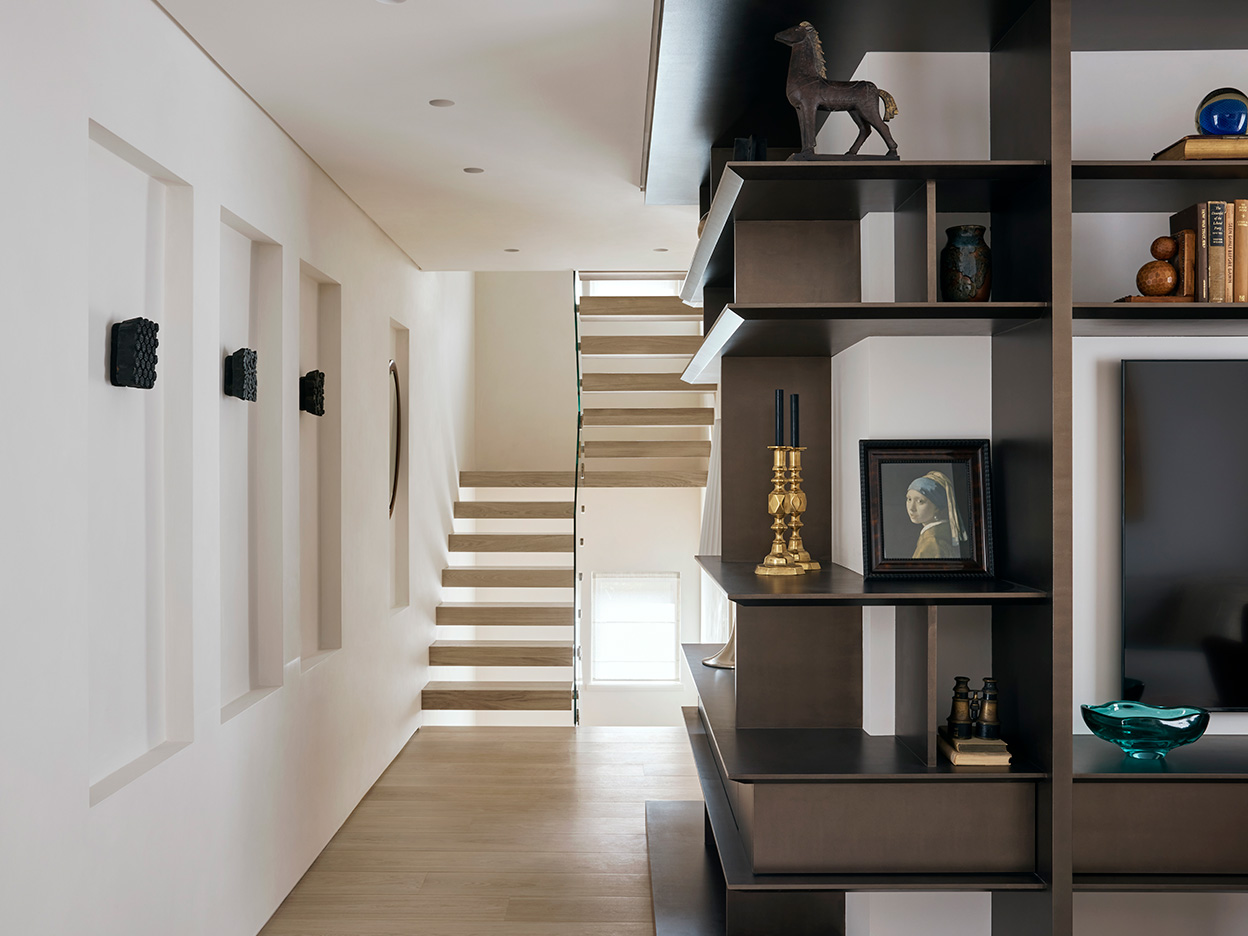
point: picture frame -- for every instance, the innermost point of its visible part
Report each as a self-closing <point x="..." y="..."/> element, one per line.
<point x="908" y="529"/>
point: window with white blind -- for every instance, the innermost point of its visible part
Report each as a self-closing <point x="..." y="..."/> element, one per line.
<point x="635" y="635"/>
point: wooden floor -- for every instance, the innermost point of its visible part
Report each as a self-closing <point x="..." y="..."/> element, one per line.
<point x="498" y="832"/>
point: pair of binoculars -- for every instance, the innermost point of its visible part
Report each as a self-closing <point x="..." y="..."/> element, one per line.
<point x="974" y="713"/>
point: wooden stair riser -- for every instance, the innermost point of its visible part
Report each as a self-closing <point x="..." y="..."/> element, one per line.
<point x="498" y="696"/>
<point x="653" y="308"/>
<point x="652" y="449"/>
<point x="651" y="416"/>
<point x="500" y="653"/>
<point x="487" y="577"/>
<point x="638" y="383"/>
<point x="503" y="614"/>
<point x="645" y="479"/>
<point x="506" y="479"/>
<point x="514" y="510"/>
<point x="512" y="542"/>
<point x="648" y="345"/>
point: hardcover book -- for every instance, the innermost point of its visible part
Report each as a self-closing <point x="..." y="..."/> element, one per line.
<point x="1241" y="250"/>
<point x="1217" y="251"/>
<point x="1196" y="219"/>
<point x="1201" y="146"/>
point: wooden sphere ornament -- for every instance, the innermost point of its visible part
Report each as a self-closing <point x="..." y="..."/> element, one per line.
<point x="1164" y="248"/>
<point x="1156" y="278"/>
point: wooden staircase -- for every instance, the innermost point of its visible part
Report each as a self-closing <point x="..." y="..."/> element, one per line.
<point x="640" y="420"/>
<point x="527" y="524"/>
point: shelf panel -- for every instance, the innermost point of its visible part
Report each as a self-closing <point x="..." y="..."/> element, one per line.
<point x="739" y="876"/>
<point x="837" y="585"/>
<point x="1163" y="319"/>
<point x="754" y="755"/>
<point x="1125" y="25"/>
<point x="839" y="190"/>
<point x="823" y="330"/>
<point x="1162" y="883"/>
<point x="1162" y="186"/>
<point x="1212" y="758"/>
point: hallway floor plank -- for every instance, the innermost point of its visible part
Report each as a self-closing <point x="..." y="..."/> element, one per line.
<point x="498" y="832"/>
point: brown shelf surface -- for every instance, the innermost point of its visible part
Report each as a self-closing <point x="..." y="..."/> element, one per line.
<point x="1165" y="185"/>
<point x="1212" y="758"/>
<point x="819" y="329"/>
<point x="837" y="585"/>
<point x="1162" y="883"/>
<point x="752" y="755"/>
<point x="739" y="875"/>
<point x="840" y="190"/>
<point x="1162" y="319"/>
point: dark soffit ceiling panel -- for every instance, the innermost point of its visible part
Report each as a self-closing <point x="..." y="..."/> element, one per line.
<point x="720" y="73"/>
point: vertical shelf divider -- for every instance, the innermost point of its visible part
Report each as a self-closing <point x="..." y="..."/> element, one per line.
<point x="915" y="691"/>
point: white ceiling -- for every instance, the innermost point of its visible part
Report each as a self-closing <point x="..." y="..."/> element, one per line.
<point x="550" y="101"/>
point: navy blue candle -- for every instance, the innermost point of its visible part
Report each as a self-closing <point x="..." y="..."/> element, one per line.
<point x="793" y="419"/>
<point x="779" y="418"/>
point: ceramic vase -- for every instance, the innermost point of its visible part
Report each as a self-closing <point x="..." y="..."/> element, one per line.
<point x="965" y="265"/>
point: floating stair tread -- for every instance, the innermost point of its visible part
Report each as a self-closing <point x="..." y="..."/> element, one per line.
<point x="650" y="416"/>
<point x="500" y="653"/>
<point x="653" y="308"/>
<point x="542" y="479"/>
<point x="652" y="345"/>
<point x="647" y="449"/>
<point x="515" y="510"/>
<point x="495" y="696"/>
<point x="506" y="613"/>
<point x="639" y="383"/>
<point x="507" y="577"/>
<point x="637" y="479"/>
<point x="512" y="542"/>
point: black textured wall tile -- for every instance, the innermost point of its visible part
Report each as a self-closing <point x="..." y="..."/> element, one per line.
<point x="240" y="374"/>
<point x="133" y="353"/>
<point x="312" y="393"/>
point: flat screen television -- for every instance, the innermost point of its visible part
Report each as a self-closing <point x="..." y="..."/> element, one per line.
<point x="1185" y="533"/>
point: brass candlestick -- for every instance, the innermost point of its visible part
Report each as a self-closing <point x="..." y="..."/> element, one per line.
<point x="777" y="561"/>
<point x="796" y="498"/>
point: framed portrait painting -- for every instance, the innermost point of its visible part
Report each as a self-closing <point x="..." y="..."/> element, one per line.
<point x="926" y="509"/>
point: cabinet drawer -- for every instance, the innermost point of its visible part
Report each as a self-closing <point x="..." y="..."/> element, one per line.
<point x="1160" y="828"/>
<point x="873" y="828"/>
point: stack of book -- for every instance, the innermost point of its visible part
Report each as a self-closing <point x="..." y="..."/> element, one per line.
<point x="973" y="752"/>
<point x="1212" y="261"/>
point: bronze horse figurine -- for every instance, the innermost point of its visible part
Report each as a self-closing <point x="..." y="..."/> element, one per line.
<point x="810" y="91"/>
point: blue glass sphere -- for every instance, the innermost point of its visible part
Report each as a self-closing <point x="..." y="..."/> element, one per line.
<point x="1223" y="112"/>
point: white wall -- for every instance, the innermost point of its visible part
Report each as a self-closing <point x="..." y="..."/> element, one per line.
<point x="526" y="371"/>
<point x="207" y="841"/>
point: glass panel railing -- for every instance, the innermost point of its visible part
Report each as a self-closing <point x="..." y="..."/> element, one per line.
<point x="578" y="476"/>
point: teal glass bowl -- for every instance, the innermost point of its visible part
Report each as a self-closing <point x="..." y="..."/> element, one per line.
<point x="1145" y="731"/>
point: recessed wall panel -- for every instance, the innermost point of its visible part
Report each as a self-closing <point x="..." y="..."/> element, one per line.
<point x="250" y="476"/>
<point x="137" y="477"/>
<point x="320" y="469"/>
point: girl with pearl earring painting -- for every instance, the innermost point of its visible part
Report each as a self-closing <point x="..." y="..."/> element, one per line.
<point x="932" y="506"/>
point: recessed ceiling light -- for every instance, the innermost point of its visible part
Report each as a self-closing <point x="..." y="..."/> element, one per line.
<point x="442" y="102"/>
<point x="392" y="2"/>
<point x="473" y="169"/>
<point x="660" y="250"/>
<point x="511" y="250"/>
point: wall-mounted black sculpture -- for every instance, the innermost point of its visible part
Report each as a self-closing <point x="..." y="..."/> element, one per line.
<point x="240" y="374"/>
<point x="810" y="91"/>
<point x="312" y="392"/>
<point x="133" y="353"/>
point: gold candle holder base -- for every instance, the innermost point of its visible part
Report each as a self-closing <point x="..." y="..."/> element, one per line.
<point x="796" y="505"/>
<point x="778" y="561"/>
